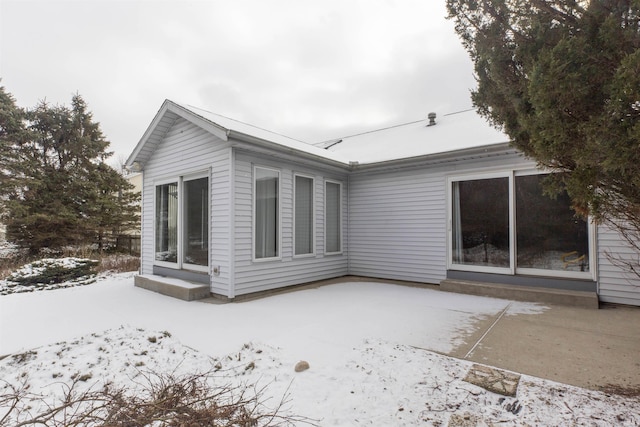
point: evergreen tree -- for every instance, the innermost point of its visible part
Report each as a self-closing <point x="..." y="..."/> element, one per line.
<point x="562" y="79"/>
<point x="12" y="130"/>
<point x="63" y="193"/>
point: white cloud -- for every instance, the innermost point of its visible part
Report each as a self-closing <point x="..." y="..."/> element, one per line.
<point x="311" y="69"/>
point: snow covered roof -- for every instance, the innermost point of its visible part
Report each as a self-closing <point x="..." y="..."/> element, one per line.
<point x="451" y="133"/>
<point x="241" y="130"/>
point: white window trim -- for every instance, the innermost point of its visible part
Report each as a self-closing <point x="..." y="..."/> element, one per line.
<point x="340" y="251"/>
<point x="513" y="269"/>
<point x="179" y="264"/>
<point x="253" y="215"/>
<point x="313" y="216"/>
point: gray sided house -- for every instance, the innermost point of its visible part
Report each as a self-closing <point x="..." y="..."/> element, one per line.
<point x="441" y="200"/>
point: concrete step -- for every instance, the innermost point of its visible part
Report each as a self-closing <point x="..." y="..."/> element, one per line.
<point x="522" y="293"/>
<point x="176" y="288"/>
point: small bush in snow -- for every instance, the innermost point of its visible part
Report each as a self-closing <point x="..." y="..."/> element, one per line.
<point x="51" y="271"/>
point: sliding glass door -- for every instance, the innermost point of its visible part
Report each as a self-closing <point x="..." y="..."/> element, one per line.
<point x="504" y="223"/>
<point x="182" y="223"/>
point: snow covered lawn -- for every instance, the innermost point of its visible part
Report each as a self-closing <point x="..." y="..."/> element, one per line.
<point x="372" y="349"/>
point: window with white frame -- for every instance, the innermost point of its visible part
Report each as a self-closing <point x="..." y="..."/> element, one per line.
<point x="166" y="224"/>
<point x="504" y="223"/>
<point x="182" y="222"/>
<point x="196" y="214"/>
<point x="266" y="218"/>
<point x="303" y="218"/>
<point x="332" y="217"/>
<point x="480" y="222"/>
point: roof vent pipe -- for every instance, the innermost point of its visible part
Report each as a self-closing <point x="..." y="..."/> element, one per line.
<point x="432" y="119"/>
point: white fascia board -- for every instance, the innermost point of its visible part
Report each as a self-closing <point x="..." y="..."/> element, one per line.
<point x="279" y="148"/>
<point x="447" y="156"/>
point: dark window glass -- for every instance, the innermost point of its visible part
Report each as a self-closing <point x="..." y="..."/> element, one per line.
<point x="481" y="222"/>
<point x="549" y="236"/>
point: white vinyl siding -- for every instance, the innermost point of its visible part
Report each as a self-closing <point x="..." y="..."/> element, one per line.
<point x="186" y="149"/>
<point x="254" y="275"/>
<point x="616" y="283"/>
<point x="397" y="226"/>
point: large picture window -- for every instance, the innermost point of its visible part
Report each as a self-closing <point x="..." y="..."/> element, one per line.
<point x="266" y="213"/>
<point x="333" y="217"/>
<point x="182" y="223"/>
<point x="303" y="215"/>
<point x="506" y="224"/>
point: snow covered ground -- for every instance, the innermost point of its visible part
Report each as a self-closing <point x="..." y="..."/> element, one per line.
<point x="373" y="351"/>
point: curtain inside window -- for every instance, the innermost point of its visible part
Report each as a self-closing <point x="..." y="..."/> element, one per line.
<point x="303" y="215"/>
<point x="266" y="213"/>
<point x="332" y="217"/>
<point x="167" y="222"/>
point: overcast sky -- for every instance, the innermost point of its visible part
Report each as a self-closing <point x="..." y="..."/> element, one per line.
<point x="312" y="70"/>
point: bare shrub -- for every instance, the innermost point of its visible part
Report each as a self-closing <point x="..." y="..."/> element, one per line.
<point x="11" y="258"/>
<point x="162" y="400"/>
<point x="80" y="251"/>
<point x="119" y="263"/>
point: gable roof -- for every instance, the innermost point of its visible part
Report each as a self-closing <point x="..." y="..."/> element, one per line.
<point x="223" y="127"/>
<point x="451" y="133"/>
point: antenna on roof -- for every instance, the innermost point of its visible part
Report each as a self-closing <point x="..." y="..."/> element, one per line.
<point x="432" y="119"/>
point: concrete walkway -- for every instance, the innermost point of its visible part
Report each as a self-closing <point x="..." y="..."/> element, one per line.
<point x="595" y="349"/>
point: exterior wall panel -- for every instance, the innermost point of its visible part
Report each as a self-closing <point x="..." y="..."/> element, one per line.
<point x="254" y="276"/>
<point x="398" y="226"/>
<point x="188" y="148"/>
<point x="616" y="284"/>
<point x="398" y="219"/>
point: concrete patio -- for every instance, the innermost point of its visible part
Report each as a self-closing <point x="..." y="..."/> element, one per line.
<point x="596" y="349"/>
